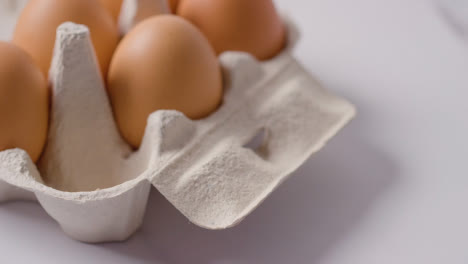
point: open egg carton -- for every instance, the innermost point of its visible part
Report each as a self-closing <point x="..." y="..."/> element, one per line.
<point x="215" y="171"/>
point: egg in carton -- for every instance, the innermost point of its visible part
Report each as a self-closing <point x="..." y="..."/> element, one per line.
<point x="215" y="171"/>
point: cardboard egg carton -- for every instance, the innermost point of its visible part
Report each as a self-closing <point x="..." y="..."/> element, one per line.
<point x="215" y="171"/>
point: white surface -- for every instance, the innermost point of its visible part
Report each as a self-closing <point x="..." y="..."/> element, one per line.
<point x="391" y="188"/>
<point x="456" y="12"/>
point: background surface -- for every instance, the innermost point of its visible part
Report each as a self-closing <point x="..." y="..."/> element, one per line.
<point x="390" y="188"/>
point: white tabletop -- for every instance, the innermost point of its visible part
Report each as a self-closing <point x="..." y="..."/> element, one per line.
<point x="390" y="188"/>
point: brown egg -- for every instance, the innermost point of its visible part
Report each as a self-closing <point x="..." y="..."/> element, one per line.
<point x="163" y="63"/>
<point x="113" y="6"/>
<point x="36" y="28"/>
<point x="252" y="26"/>
<point x="173" y="4"/>
<point x="24" y="102"/>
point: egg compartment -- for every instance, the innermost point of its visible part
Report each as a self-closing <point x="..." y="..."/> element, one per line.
<point x="215" y="171"/>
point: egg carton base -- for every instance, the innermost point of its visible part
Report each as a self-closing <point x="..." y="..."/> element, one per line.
<point x="92" y="183"/>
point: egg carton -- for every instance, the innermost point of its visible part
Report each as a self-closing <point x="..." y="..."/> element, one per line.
<point x="215" y="171"/>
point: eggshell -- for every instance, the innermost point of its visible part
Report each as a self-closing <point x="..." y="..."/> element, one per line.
<point x="173" y="4"/>
<point x="252" y="26"/>
<point x="113" y="6"/>
<point x="163" y="63"/>
<point x="36" y="28"/>
<point x="24" y="102"/>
